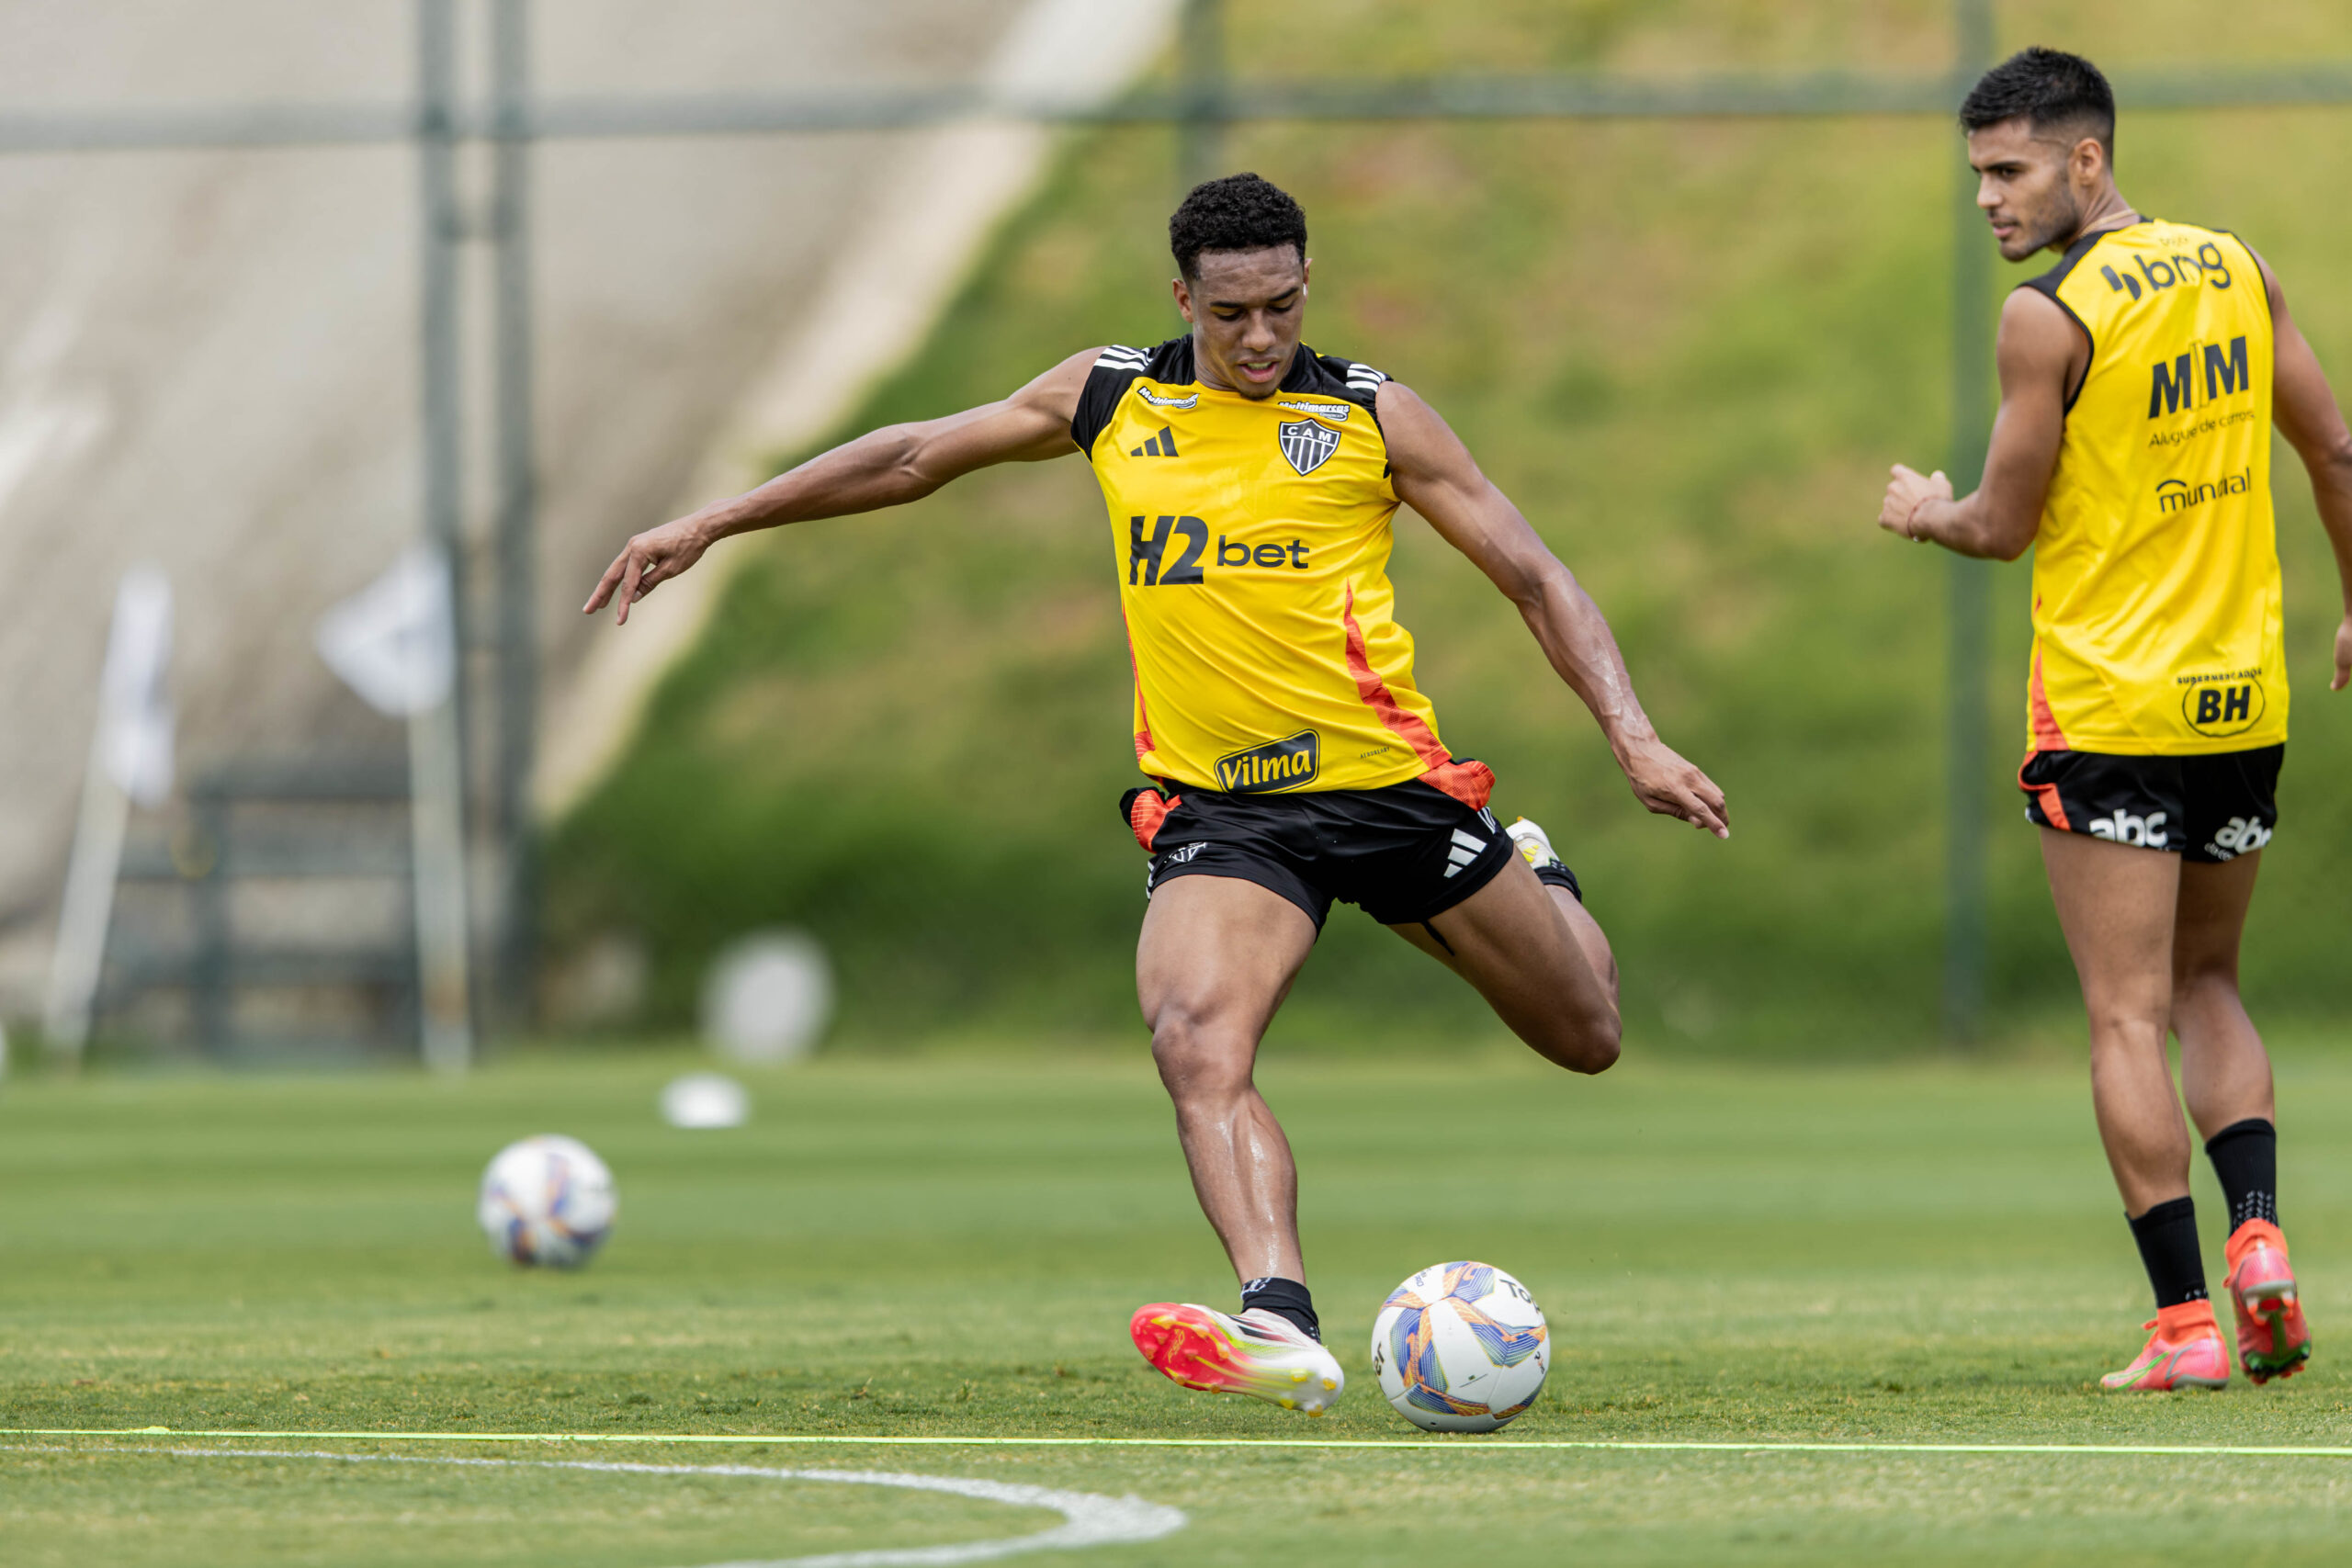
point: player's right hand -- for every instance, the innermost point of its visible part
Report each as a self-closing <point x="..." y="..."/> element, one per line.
<point x="654" y="556"/>
<point x="2343" y="656"/>
<point x="1906" y="491"/>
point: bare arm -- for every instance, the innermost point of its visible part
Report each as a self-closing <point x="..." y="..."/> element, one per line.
<point x="2042" y="354"/>
<point x="886" y="467"/>
<point x="2307" y="416"/>
<point x="1436" y="476"/>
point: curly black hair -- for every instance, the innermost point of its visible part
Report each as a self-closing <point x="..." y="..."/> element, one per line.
<point x="1240" y="212"/>
<point x="2049" y="89"/>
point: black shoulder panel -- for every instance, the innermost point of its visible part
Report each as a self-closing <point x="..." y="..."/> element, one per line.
<point x="1115" y="369"/>
<point x="2048" y="281"/>
<point x="1331" y="377"/>
<point x="2047" y="285"/>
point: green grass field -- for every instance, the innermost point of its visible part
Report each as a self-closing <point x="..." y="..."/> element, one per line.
<point x="948" y="1247"/>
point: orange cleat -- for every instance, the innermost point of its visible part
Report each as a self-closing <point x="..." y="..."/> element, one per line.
<point x="1259" y="1353"/>
<point x="2184" y="1351"/>
<point x="2273" y="1340"/>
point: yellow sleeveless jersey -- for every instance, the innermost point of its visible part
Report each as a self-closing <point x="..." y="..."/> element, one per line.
<point x="1251" y="537"/>
<point x="2157" y="623"/>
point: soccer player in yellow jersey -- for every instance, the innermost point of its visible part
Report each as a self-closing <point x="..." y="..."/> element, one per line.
<point x="1251" y="484"/>
<point x="2139" y="378"/>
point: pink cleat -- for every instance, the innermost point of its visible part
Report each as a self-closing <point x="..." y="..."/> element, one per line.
<point x="2273" y="1340"/>
<point x="2184" y="1351"/>
<point x="1259" y="1353"/>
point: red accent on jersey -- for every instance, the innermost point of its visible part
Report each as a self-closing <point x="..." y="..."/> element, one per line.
<point x="2047" y="736"/>
<point x="1469" y="783"/>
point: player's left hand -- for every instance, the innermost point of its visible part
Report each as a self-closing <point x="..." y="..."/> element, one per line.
<point x="1667" y="784"/>
<point x="1908" y="491"/>
<point x="2343" y="656"/>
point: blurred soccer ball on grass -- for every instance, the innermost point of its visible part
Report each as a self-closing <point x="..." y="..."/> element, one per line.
<point x="1460" y="1347"/>
<point x="700" y="1101"/>
<point x="767" y="997"/>
<point x="547" y="1200"/>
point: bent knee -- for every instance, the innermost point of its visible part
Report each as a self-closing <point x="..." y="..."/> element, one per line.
<point x="1194" y="1051"/>
<point x="1589" y="1043"/>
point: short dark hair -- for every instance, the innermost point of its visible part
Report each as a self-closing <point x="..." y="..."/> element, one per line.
<point x="1240" y="212"/>
<point x="2048" y="88"/>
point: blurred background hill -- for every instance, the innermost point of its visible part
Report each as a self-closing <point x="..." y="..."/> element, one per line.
<point x="1688" y="350"/>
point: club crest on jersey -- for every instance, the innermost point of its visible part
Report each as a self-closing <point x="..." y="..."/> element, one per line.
<point x="1307" y="445"/>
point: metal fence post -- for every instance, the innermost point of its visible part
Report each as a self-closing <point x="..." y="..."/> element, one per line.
<point x="437" y="738"/>
<point x="517" y="526"/>
<point x="1967" y="584"/>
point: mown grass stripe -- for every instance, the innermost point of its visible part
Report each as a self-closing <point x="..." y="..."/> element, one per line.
<point x="2182" y="1451"/>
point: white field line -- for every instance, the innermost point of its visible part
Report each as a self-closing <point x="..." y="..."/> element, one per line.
<point x="1088" y="1518"/>
<point x="2186" y="1451"/>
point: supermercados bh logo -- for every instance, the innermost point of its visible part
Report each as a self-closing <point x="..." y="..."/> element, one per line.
<point x="2179" y="495"/>
<point x="1278" y="764"/>
<point x="1189" y="400"/>
<point x="2229" y="704"/>
<point x="1307" y="445"/>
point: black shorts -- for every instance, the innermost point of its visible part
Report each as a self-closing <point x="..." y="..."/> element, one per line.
<point x="1402" y="855"/>
<point x="2207" y="808"/>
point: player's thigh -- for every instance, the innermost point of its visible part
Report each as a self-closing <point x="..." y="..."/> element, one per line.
<point x="1515" y="945"/>
<point x="2210" y="916"/>
<point x="1216" y="956"/>
<point x="2116" y="905"/>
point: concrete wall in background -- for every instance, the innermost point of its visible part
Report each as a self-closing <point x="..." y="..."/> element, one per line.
<point x="208" y="358"/>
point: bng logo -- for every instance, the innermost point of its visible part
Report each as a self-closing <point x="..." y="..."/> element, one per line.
<point x="2223" y="708"/>
<point x="2206" y="264"/>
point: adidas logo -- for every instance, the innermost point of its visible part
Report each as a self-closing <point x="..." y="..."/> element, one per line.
<point x="1161" y="446"/>
<point x="1465" y="849"/>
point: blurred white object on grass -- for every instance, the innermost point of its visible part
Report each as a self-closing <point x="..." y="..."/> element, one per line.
<point x="768" y="997"/>
<point x="703" y="1101"/>
<point x="130" y="760"/>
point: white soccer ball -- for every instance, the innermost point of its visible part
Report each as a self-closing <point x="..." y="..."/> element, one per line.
<point x="1460" y="1347"/>
<point x="547" y="1200"/>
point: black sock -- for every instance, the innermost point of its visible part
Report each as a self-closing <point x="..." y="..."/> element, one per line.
<point x="2167" y="1238"/>
<point x="1284" y="1298"/>
<point x="2245" y="1157"/>
<point x="1552" y="874"/>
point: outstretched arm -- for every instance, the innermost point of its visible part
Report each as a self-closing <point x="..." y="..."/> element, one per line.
<point x="1436" y="476"/>
<point x="2042" y="354"/>
<point x="886" y="468"/>
<point x="2307" y="416"/>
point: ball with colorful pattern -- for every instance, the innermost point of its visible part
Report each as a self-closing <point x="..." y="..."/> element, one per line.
<point x="547" y="1200"/>
<point x="1460" y="1347"/>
